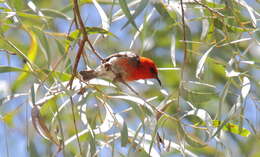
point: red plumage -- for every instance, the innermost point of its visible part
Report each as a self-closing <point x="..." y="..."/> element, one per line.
<point x="124" y="66"/>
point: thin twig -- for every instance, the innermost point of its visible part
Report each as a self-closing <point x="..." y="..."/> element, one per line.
<point x="74" y="71"/>
<point x="185" y="54"/>
<point x="79" y="21"/>
<point x="83" y="30"/>
<point x="184" y="33"/>
<point x="210" y="9"/>
<point x="75" y="125"/>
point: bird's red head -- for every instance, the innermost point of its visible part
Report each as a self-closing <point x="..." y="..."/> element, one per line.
<point x="146" y="70"/>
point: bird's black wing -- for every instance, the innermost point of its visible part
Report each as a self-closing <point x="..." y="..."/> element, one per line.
<point x="123" y="54"/>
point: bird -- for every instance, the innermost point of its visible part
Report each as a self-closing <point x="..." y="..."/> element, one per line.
<point x="125" y="66"/>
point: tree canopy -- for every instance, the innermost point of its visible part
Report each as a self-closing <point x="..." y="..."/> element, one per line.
<point x="208" y="56"/>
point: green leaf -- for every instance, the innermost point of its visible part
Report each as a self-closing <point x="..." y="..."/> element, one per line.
<point x="31" y="56"/>
<point x="4" y="69"/>
<point x="17" y="4"/>
<point x="8" y="117"/>
<point x="124" y="135"/>
<point x="4" y="46"/>
<point x="92" y="142"/>
<point x="95" y="30"/>
<point x="33" y="94"/>
<point x="90" y="30"/>
<point x="62" y="76"/>
<point x="82" y="2"/>
<point x="215" y="5"/>
<point x="154" y="135"/>
<point x="139" y="9"/>
<point x="55" y="14"/>
<point x="162" y="10"/>
<point x="189" y="138"/>
<point x="220" y="25"/>
<point x="48" y="105"/>
<point x="103" y="15"/>
<point x="32" y="19"/>
<point x="173" y="17"/>
<point x="223" y="97"/>
<point x="138" y="109"/>
<point x="233" y="128"/>
<point x="44" y="44"/>
<point x="40" y="126"/>
<point x="127" y="13"/>
<point x="135" y="137"/>
<point x="200" y="66"/>
<point x="61" y="48"/>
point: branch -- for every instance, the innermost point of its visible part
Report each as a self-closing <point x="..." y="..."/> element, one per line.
<point x="184" y="33"/>
<point x="78" y="20"/>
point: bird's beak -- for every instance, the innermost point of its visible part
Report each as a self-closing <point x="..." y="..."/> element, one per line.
<point x="159" y="81"/>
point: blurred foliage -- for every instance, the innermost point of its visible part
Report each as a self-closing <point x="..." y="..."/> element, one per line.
<point x="208" y="105"/>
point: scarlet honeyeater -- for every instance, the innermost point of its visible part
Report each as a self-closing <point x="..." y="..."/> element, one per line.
<point x="123" y="67"/>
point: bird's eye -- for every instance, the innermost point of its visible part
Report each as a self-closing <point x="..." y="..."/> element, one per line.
<point x="152" y="70"/>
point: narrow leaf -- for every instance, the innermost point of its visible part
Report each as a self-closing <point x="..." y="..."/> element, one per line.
<point x="232" y="73"/>
<point x="31" y="55"/>
<point x="232" y="128"/>
<point x="104" y="18"/>
<point x="237" y="41"/>
<point x="4" y="69"/>
<point x="236" y="107"/>
<point x="222" y="98"/>
<point x="202" y="114"/>
<point x="32" y="6"/>
<point x="137" y="33"/>
<point x="124" y="135"/>
<point x="55" y="14"/>
<point x="205" y="26"/>
<point x="200" y="66"/>
<point x="245" y="87"/>
<point x="134" y="99"/>
<point x="90" y="30"/>
<point x="173" y="51"/>
<point x="139" y="9"/>
<point x="127" y="13"/>
<point x="11" y="97"/>
<point x="40" y="126"/>
<point x="250" y="11"/>
<point x="189" y="138"/>
<point x="8" y="117"/>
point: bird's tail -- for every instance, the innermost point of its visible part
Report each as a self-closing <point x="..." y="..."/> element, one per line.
<point x="88" y="74"/>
